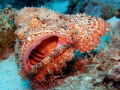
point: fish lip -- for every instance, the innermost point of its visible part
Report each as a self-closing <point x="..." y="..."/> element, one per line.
<point x="28" y="47"/>
<point x="41" y="65"/>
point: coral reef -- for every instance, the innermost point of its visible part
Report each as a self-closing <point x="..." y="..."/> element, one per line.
<point x="19" y="3"/>
<point x="47" y="41"/>
<point x="43" y="1"/>
<point x="94" y="7"/>
<point x="95" y="3"/>
<point x="108" y="11"/>
<point x="114" y="72"/>
<point x="114" y="45"/>
<point x="46" y="1"/>
<point x="71" y="6"/>
<point x="7" y="28"/>
<point x="117" y="13"/>
<point x="76" y="6"/>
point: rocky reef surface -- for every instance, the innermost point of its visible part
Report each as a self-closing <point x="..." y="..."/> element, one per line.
<point x="7" y="28"/>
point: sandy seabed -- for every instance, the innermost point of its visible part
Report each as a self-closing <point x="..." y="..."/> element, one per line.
<point x="9" y="78"/>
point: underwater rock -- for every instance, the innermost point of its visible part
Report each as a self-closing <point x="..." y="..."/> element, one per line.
<point x="76" y="6"/>
<point x="114" y="72"/>
<point x="71" y="6"/>
<point x="108" y="11"/>
<point x="7" y="28"/>
<point x="94" y="7"/>
<point x="114" y="22"/>
<point x="117" y="13"/>
<point x="43" y="1"/>
<point x="47" y="41"/>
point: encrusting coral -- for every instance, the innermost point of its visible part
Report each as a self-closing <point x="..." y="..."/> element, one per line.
<point x="7" y="28"/>
<point x="114" y="51"/>
<point x="108" y="11"/>
<point x="47" y="41"/>
<point x="117" y="13"/>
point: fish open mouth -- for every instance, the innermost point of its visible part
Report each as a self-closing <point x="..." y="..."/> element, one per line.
<point x="39" y="47"/>
<point x="44" y="49"/>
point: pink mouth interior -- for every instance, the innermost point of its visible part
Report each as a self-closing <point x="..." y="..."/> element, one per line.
<point x="40" y="49"/>
<point x="44" y="49"/>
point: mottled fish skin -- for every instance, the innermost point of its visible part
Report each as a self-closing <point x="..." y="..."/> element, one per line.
<point x="36" y="25"/>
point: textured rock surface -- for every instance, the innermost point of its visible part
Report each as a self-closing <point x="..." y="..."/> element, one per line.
<point x="7" y="28"/>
